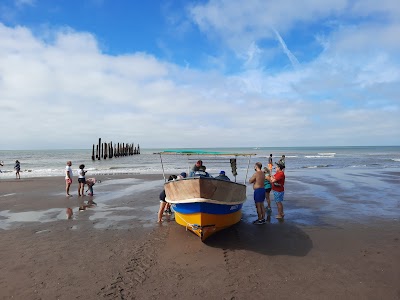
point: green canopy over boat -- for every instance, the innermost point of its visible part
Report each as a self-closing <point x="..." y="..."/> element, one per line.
<point x="203" y="152"/>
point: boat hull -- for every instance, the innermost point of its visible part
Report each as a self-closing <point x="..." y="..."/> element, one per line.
<point x="204" y="224"/>
<point x="205" y="205"/>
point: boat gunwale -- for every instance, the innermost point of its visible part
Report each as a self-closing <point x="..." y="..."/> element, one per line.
<point x="204" y="200"/>
<point x="201" y="178"/>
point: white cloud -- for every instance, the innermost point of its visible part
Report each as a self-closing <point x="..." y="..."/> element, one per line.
<point x="64" y="92"/>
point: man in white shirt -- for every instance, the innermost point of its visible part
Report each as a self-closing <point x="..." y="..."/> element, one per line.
<point x="68" y="177"/>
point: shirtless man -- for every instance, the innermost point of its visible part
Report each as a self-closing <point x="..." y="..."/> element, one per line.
<point x="259" y="192"/>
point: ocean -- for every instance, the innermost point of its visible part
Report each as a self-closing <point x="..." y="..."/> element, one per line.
<point x="43" y="163"/>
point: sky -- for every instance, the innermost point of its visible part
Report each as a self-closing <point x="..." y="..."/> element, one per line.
<point x="191" y="73"/>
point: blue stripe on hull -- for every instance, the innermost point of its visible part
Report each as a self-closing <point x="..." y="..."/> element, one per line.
<point x="209" y="208"/>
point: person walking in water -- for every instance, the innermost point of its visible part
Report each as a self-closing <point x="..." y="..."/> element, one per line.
<point x="278" y="187"/>
<point x="259" y="193"/>
<point x="68" y="177"/>
<point x="270" y="163"/>
<point x="17" y="168"/>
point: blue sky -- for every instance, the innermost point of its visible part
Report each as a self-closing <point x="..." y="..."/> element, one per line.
<point x="217" y="73"/>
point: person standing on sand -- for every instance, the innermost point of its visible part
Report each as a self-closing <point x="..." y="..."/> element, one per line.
<point x="1" y="164"/>
<point x="81" y="180"/>
<point x="282" y="161"/>
<point x="278" y="187"/>
<point x="17" y="168"/>
<point x="259" y="193"/>
<point x="68" y="177"/>
<point x="267" y="186"/>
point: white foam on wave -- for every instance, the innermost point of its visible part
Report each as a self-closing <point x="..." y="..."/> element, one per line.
<point x="357" y="166"/>
<point x="319" y="156"/>
<point x="396" y="159"/>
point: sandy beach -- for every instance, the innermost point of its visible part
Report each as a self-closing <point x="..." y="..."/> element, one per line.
<point x="349" y="249"/>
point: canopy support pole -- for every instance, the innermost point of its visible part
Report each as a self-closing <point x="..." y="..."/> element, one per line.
<point x="162" y="165"/>
<point x="247" y="172"/>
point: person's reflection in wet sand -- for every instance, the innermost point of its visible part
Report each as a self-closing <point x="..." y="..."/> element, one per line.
<point x="69" y="213"/>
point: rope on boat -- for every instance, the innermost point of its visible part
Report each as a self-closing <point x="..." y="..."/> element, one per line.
<point x="193" y="226"/>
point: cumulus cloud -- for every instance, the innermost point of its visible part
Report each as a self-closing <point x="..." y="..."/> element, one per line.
<point x="58" y="89"/>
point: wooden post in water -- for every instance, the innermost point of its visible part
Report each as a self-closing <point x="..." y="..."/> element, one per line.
<point x="99" y="156"/>
<point x="105" y="150"/>
<point x="111" y="150"/>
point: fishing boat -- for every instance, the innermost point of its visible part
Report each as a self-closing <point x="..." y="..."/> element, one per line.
<point x="206" y="205"/>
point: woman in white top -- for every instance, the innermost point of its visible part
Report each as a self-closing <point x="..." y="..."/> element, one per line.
<point x="81" y="180"/>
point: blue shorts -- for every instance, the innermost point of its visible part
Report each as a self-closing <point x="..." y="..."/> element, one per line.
<point x="278" y="196"/>
<point x="259" y="195"/>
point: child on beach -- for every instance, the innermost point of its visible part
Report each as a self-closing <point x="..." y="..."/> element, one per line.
<point x="90" y="183"/>
<point x="17" y="168"/>
<point x="81" y="180"/>
<point x="267" y="186"/>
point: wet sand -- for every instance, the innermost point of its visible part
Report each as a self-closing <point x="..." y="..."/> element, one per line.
<point x="337" y="241"/>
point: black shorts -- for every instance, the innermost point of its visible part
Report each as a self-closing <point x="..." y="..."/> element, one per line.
<point x="81" y="180"/>
<point x="268" y="190"/>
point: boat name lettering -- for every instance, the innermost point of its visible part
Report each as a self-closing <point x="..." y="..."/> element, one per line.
<point x="234" y="207"/>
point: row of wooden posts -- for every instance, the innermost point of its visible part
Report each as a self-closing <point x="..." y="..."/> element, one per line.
<point x="104" y="150"/>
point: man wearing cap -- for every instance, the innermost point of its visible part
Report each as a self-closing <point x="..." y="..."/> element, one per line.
<point x="278" y="188"/>
<point x="222" y="176"/>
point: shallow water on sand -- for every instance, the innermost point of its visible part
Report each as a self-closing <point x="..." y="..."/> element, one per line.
<point x="312" y="197"/>
<point x="108" y="212"/>
<point x="326" y="197"/>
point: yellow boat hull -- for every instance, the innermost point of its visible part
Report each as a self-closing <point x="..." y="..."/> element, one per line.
<point x="204" y="224"/>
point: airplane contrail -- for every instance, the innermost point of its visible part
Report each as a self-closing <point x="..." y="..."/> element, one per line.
<point x="289" y="54"/>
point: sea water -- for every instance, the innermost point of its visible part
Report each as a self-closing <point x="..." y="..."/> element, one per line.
<point x="43" y="163"/>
